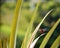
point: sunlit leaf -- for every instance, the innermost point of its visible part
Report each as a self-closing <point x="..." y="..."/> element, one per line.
<point x="35" y="41"/>
<point x="36" y="29"/>
<point x="29" y="29"/>
<point x="14" y="25"/>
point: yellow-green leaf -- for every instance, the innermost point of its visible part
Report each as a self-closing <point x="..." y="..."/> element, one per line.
<point x="56" y="42"/>
<point x="14" y="25"/>
<point x="29" y="29"/>
<point x="45" y="40"/>
<point x="36" y="29"/>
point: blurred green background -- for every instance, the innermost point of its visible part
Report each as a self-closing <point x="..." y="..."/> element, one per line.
<point x="6" y="17"/>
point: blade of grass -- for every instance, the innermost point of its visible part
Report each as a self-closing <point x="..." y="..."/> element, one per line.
<point x="0" y="43"/>
<point x="34" y="42"/>
<point x="28" y="33"/>
<point x="44" y="42"/>
<point x="4" y="43"/>
<point x="14" y="25"/>
<point x="56" y="43"/>
<point x="36" y="29"/>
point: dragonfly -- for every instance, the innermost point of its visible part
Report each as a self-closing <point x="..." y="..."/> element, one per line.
<point x="42" y="30"/>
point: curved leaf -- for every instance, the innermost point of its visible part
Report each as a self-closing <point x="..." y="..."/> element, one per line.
<point x="14" y="25"/>
<point x="35" y="41"/>
<point x="36" y="29"/>
<point x="29" y="29"/>
<point x="44" y="42"/>
<point x="56" y="43"/>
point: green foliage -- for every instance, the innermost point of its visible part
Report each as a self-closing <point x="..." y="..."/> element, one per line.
<point x="45" y="40"/>
<point x="30" y="22"/>
<point x="29" y="29"/>
<point x="56" y="43"/>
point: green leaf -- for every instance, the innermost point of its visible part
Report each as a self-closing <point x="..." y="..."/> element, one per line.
<point x="13" y="34"/>
<point x="29" y="29"/>
<point x="45" y="40"/>
<point x="56" y="43"/>
<point x="35" y="41"/>
<point x="36" y="29"/>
